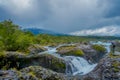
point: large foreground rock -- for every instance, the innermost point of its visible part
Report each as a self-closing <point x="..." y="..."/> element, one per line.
<point x="19" y="61"/>
<point x="31" y="73"/>
<point x="107" y="69"/>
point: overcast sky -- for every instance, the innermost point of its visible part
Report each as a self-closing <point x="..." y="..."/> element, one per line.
<point x="64" y="16"/>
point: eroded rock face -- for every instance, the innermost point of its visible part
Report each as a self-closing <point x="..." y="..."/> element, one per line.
<point x="83" y="50"/>
<point x="14" y="60"/>
<point x="107" y="69"/>
<point x="70" y="51"/>
<point x="16" y="75"/>
<point x="36" y="48"/>
<point x="31" y="73"/>
<point x="40" y="72"/>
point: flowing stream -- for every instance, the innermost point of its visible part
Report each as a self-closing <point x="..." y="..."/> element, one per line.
<point x="76" y="65"/>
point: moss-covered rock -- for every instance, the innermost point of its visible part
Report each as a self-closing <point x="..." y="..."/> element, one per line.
<point x="19" y="61"/>
<point x="44" y="74"/>
<point x="71" y="50"/>
<point x="77" y="52"/>
<point x="31" y="73"/>
<point x="66" y="47"/>
<point x="99" y="48"/>
<point x="36" y="48"/>
<point x="16" y="75"/>
<point x="92" y="53"/>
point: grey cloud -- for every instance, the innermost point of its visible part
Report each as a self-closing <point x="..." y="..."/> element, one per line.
<point x="62" y="15"/>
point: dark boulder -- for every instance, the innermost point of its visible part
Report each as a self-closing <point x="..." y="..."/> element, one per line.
<point x="19" y="61"/>
<point x="107" y="69"/>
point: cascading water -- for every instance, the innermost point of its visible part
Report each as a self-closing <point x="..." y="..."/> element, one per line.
<point x="76" y="65"/>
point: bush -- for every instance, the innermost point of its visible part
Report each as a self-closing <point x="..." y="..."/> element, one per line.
<point x="2" y="54"/>
<point x="99" y="48"/>
<point x="2" y="47"/>
<point x="24" y="41"/>
<point x="12" y="38"/>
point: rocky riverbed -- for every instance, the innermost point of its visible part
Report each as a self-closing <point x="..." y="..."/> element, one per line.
<point x="66" y="62"/>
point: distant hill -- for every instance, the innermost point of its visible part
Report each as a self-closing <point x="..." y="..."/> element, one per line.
<point x="42" y="31"/>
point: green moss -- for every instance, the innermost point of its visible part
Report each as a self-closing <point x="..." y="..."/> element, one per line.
<point x="2" y="46"/>
<point x="99" y="48"/>
<point x="32" y="74"/>
<point x="116" y="65"/>
<point x="75" y="53"/>
<point x="111" y="55"/>
<point x="59" y="65"/>
<point x="70" y="47"/>
<point x="71" y="50"/>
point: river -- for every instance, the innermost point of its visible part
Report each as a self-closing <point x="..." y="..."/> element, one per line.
<point x="76" y="65"/>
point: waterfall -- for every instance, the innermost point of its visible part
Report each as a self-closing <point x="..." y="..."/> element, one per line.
<point x="77" y="65"/>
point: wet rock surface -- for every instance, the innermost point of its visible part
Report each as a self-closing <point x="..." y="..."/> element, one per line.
<point x="107" y="69"/>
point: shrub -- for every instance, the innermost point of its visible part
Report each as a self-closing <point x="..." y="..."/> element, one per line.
<point x="12" y="38"/>
<point x="2" y="54"/>
<point x="24" y="41"/>
<point x="2" y="46"/>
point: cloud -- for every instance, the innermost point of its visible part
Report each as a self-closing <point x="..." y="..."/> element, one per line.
<point x="69" y="15"/>
<point x="63" y="16"/>
<point x="19" y="8"/>
<point x="104" y="31"/>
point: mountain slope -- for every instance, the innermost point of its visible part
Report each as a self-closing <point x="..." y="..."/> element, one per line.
<point x="42" y="31"/>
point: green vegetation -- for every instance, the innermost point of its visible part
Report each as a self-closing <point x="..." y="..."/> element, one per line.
<point x="116" y="65"/>
<point x="12" y="38"/>
<point x="2" y="54"/>
<point x="70" y="50"/>
<point x="75" y="53"/>
<point x="46" y="39"/>
<point x="32" y="74"/>
<point x="67" y="48"/>
<point x="111" y="55"/>
<point x="53" y="63"/>
<point x="99" y="48"/>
